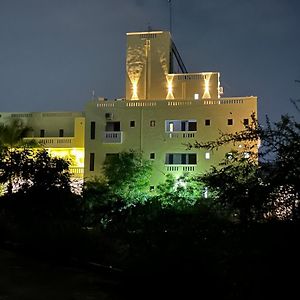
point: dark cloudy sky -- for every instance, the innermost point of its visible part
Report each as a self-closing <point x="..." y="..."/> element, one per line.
<point x="54" y="53"/>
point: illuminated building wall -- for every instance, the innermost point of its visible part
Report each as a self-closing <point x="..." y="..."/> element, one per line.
<point x="161" y="112"/>
<point x="149" y="71"/>
<point x="61" y="133"/>
<point x="160" y="128"/>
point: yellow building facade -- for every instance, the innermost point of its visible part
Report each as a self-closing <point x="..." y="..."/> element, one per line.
<point x="162" y="111"/>
<point x="61" y="133"/>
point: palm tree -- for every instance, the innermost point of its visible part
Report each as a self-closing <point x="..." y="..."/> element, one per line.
<point x="12" y="134"/>
<point x="11" y="137"/>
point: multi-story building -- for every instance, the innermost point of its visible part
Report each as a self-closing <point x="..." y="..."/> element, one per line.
<point x="162" y="111"/>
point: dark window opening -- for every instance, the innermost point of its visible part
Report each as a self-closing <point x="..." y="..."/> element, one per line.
<point x="181" y="159"/>
<point x="93" y="130"/>
<point x="152" y="155"/>
<point x="92" y="161"/>
<point x="246" y="122"/>
<point x="42" y="133"/>
<point x="112" y="126"/>
<point x="152" y="123"/>
<point x="192" y="126"/>
<point x="192" y="159"/>
<point x="132" y="123"/>
<point x="61" y="132"/>
<point x="230" y="122"/>
<point x="207" y="122"/>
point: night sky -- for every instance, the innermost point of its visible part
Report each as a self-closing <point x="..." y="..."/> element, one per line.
<point x="54" y="53"/>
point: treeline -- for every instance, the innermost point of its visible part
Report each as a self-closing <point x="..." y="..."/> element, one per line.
<point x="227" y="232"/>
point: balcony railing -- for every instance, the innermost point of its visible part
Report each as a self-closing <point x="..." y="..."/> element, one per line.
<point x="76" y="171"/>
<point x="180" y="168"/>
<point x="55" y="142"/>
<point x="181" y="134"/>
<point x="113" y="137"/>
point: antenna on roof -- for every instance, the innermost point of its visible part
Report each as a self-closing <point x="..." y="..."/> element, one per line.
<point x="170" y="12"/>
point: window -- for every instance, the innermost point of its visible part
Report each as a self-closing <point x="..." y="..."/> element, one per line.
<point x="171" y="126"/>
<point x="230" y="122"/>
<point x="152" y="155"/>
<point x="207" y="155"/>
<point x="207" y="122"/>
<point x="92" y="161"/>
<point x="181" y="159"/>
<point x="93" y="130"/>
<point x="196" y="96"/>
<point x="132" y="123"/>
<point x="61" y="132"/>
<point x="42" y="133"/>
<point x="152" y="123"/>
<point x="181" y="125"/>
<point x="246" y="122"/>
<point x="108" y="116"/>
<point x="112" y="126"/>
<point x="192" y="126"/>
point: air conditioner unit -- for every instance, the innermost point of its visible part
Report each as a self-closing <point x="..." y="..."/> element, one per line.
<point x="108" y="116"/>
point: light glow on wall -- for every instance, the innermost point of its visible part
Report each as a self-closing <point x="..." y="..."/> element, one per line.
<point x="134" y="91"/>
<point x="170" y="95"/>
<point x="75" y="155"/>
<point x="135" y="64"/>
<point x="206" y="93"/>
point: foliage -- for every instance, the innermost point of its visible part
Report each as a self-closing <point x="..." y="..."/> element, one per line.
<point x="238" y="188"/>
<point x="265" y="181"/>
<point x="180" y="193"/>
<point x="128" y="175"/>
<point x="12" y="134"/>
<point x="26" y="168"/>
<point x="125" y="182"/>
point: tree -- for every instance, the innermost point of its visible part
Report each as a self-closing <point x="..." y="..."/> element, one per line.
<point x="125" y="182"/>
<point x="237" y="188"/>
<point x="128" y="175"/>
<point x="12" y="134"/>
<point x="181" y="193"/>
<point x="11" y="137"/>
<point x="272" y="173"/>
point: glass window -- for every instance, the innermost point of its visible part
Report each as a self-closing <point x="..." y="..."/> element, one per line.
<point x="230" y="122"/>
<point x="92" y="161"/>
<point x="207" y="122"/>
<point x="152" y="123"/>
<point x="93" y="130"/>
<point x="246" y="122"/>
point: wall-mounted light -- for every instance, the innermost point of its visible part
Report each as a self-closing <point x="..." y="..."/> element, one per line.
<point x="170" y="87"/>
<point x="134" y="91"/>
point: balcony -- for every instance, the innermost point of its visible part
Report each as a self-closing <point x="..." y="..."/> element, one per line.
<point x="180" y="168"/>
<point x="55" y="142"/>
<point x="76" y="172"/>
<point x="181" y="134"/>
<point x="113" y="137"/>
